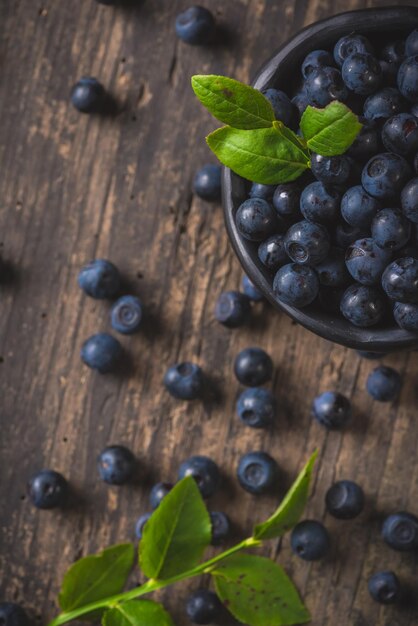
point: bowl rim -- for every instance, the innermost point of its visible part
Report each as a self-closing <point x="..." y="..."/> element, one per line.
<point x="326" y="326"/>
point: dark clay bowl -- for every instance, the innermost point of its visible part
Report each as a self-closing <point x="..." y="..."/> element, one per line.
<point x="282" y="71"/>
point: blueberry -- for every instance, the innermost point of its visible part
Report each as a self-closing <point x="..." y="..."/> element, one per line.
<point x="362" y="306"/>
<point x="250" y="290"/>
<point x="232" y="309"/>
<point x="257" y="472"/>
<point x="100" y="279"/>
<point x="409" y="200"/>
<point x="332" y="272"/>
<point x="116" y="465"/>
<point x="47" y="489"/>
<point x="384" y="384"/>
<point x="256" y="407"/>
<point x="362" y="73"/>
<point x="400" y="134"/>
<point x="139" y="526"/>
<point x="265" y="192"/>
<point x="367" y="142"/>
<point x="296" y="285"/>
<point x="350" y="44"/>
<point x="400" y="531"/>
<point x="406" y="315"/>
<point x="282" y="107"/>
<point x="203" y="607"/>
<point x="345" y="499"/>
<point x="256" y="219"/>
<point x="400" y="280"/>
<point x="331" y="409"/>
<point x="408" y="78"/>
<point x="390" y="229"/>
<point x="272" y="252"/>
<point x="184" y="381"/>
<point x="366" y="262"/>
<point x="384" y="175"/>
<point x="331" y="170"/>
<point x="383" y="104"/>
<point x="101" y="352"/>
<point x="320" y="203"/>
<point x="88" y="95"/>
<point x="307" y="243"/>
<point x="411" y="44"/>
<point x="126" y="315"/>
<point x="253" y="367"/>
<point x="389" y="73"/>
<point x="345" y="234"/>
<point x="358" y="208"/>
<point x="394" y="52"/>
<point x="372" y="356"/>
<point x="204" y="471"/>
<point x="310" y="540"/>
<point x="207" y="183"/>
<point x="158" y="493"/>
<point x="286" y="200"/>
<point x="195" y="26"/>
<point x="315" y="59"/>
<point x="324" y="85"/>
<point x="384" y="587"/>
<point x="221" y="527"/>
<point x="12" y="614"/>
<point x="300" y="101"/>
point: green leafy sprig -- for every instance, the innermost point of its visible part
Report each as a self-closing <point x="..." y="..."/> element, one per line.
<point x="254" y="589"/>
<point x="260" y="148"/>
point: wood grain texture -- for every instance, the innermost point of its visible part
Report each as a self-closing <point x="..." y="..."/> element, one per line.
<point x="74" y="187"/>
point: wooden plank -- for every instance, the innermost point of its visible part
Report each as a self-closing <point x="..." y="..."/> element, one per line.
<point x="74" y="187"/>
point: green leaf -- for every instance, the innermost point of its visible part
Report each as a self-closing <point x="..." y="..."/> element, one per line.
<point x="265" y="155"/>
<point x="137" y="613"/>
<point x="291" y="508"/>
<point x="96" y="577"/>
<point x="232" y="102"/>
<point x="330" y="131"/>
<point x="175" y="536"/>
<point x="258" y="592"/>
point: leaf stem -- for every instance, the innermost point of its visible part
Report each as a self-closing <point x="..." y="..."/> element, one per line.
<point x="153" y="584"/>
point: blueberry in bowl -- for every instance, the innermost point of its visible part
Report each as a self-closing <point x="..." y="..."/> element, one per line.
<point x="358" y="205"/>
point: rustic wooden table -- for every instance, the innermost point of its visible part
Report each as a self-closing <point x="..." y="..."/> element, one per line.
<point x="74" y="187"/>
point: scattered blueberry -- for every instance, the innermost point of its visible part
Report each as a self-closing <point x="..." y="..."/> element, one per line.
<point x="400" y="134"/>
<point x="384" y="104"/>
<point x="221" y="527"/>
<point x="315" y="59"/>
<point x="310" y="540"/>
<point x="250" y="290"/>
<point x="195" y="26"/>
<point x="204" y="471"/>
<point x="411" y="43"/>
<point x="253" y="367"/>
<point x="390" y="229"/>
<point x="286" y="200"/>
<point x="350" y="44"/>
<point x="203" y="607"/>
<point x="394" y="52"/>
<point x="272" y="252"/>
<point x="139" y="526"/>
<point x="333" y="272"/>
<point x="100" y="279"/>
<point x="335" y="170"/>
<point x="323" y="85"/>
<point x="408" y="78"/>
<point x="345" y="499"/>
<point x="88" y="95"/>
<point x="400" y="280"/>
<point x="362" y="73"/>
<point x="320" y="203"/>
<point x="116" y="465"/>
<point x="366" y="261"/>
<point x="257" y="472"/>
<point x="256" y="219"/>
<point x="184" y="381"/>
<point x="47" y="489"/>
<point x="400" y="531"/>
<point x="367" y="142"/>
<point x="265" y="192"/>
<point x="232" y="309"/>
<point x="409" y="200"/>
<point x="126" y="315"/>
<point x="331" y="409"/>
<point x="12" y="614"/>
<point x="158" y="493"/>
<point x="358" y="208"/>
<point x="406" y="315"/>
<point x="296" y="285"/>
<point x="384" y="384"/>
<point x="384" y="175"/>
<point x="281" y="104"/>
<point x="207" y="183"/>
<point x="256" y="407"/>
<point x="300" y="101"/>
<point x="307" y="243"/>
<point x="362" y="306"/>
<point x="384" y="587"/>
<point x="101" y="352"/>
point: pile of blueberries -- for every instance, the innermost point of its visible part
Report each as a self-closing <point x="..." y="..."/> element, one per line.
<point x="344" y="237"/>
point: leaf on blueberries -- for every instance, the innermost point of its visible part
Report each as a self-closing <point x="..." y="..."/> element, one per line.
<point x="258" y="592"/>
<point x="96" y="577"/>
<point x="177" y="533"/>
<point x="265" y="155"/>
<point x="232" y="102"/>
<point x="330" y="131"/>
<point x="137" y="613"/>
<point x="291" y="508"/>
